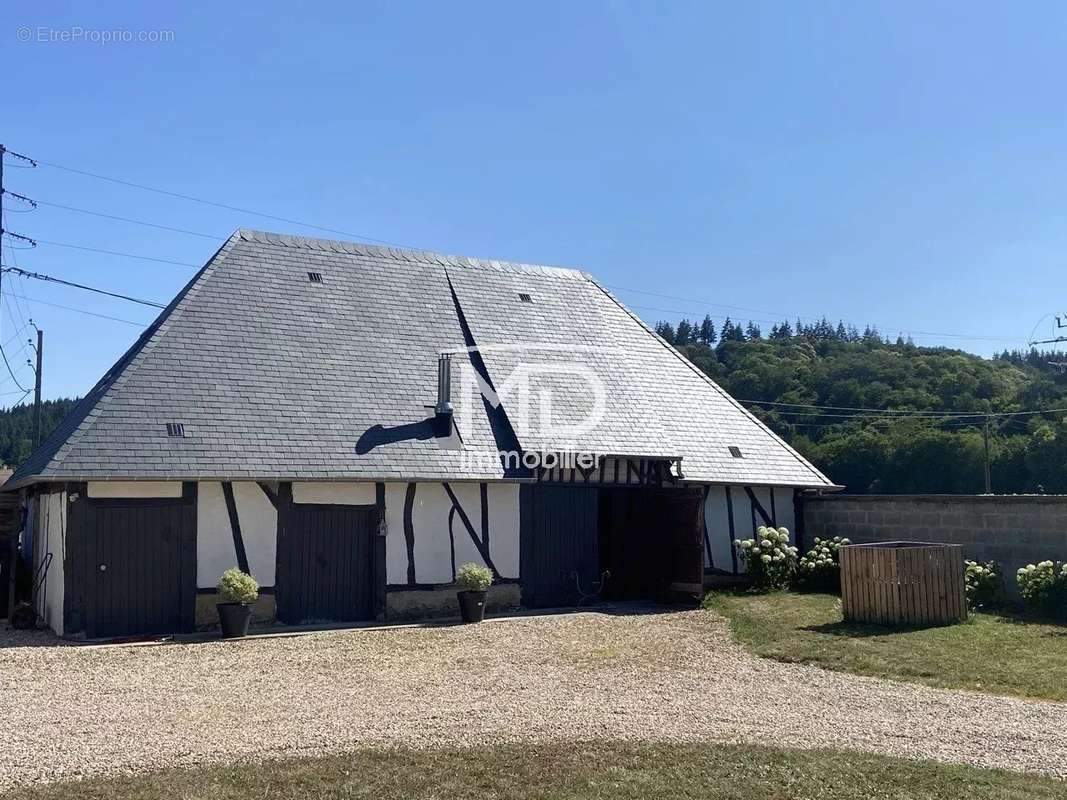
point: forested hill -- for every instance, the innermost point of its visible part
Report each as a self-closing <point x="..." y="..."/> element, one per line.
<point x="16" y="428"/>
<point x="828" y="365"/>
<point x="822" y="366"/>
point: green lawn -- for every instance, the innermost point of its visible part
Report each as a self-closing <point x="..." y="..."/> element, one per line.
<point x="574" y="771"/>
<point x="995" y="654"/>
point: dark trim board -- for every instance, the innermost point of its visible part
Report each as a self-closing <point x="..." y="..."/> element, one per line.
<point x="757" y="507"/>
<point x="733" y="534"/>
<point x="235" y="528"/>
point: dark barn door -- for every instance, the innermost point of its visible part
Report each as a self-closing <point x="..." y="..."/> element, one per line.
<point x="326" y="563"/>
<point x="680" y="517"/>
<point x="558" y="545"/>
<point x="132" y="565"/>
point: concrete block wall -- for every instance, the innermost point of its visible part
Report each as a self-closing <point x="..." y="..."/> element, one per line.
<point x="1013" y="530"/>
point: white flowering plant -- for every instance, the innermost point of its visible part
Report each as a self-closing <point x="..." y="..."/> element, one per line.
<point x="770" y="559"/>
<point x="237" y="587"/>
<point x="1044" y="587"/>
<point x="819" y="570"/>
<point x="984" y="584"/>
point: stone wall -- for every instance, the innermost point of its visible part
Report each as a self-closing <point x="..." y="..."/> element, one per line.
<point x="1013" y="530"/>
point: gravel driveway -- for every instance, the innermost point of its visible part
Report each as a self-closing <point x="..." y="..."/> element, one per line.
<point x="69" y="711"/>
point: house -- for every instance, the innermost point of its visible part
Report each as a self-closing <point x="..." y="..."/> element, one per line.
<point x="349" y="423"/>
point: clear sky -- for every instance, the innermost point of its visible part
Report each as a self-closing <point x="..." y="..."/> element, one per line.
<point x="902" y="164"/>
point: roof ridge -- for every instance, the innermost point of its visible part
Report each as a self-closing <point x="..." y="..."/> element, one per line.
<point x="404" y="254"/>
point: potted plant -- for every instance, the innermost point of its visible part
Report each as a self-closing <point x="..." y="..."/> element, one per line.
<point x="473" y="582"/>
<point x="237" y="592"/>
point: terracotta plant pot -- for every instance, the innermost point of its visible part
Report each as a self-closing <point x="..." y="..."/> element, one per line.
<point x="471" y="606"/>
<point x="234" y="619"/>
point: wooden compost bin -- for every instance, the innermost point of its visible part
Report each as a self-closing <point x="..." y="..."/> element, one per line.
<point x="903" y="583"/>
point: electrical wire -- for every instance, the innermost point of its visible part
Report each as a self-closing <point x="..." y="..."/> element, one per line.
<point x="118" y="253"/>
<point x="11" y="373"/>
<point x="881" y="411"/>
<point x="49" y="279"/>
<point x="34" y="300"/>
<point x="216" y="204"/>
<point x="157" y="226"/>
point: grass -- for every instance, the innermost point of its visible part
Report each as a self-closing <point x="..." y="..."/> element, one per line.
<point x="585" y="771"/>
<point x="988" y="653"/>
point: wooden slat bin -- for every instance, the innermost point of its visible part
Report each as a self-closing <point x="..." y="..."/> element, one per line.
<point x="903" y="583"/>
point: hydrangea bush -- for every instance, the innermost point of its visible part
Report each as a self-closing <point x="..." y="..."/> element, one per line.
<point x="985" y="584"/>
<point x="1044" y="587"/>
<point x="769" y="558"/>
<point x="819" y="569"/>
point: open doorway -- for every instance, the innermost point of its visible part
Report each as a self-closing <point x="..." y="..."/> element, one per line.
<point x="583" y="544"/>
<point x="650" y="543"/>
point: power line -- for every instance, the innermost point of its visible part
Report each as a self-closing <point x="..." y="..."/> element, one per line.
<point x="892" y="413"/>
<point x="155" y="225"/>
<point x="117" y="253"/>
<point x="12" y="374"/>
<point x="48" y="278"/>
<point x="216" y="204"/>
<point x="84" y="311"/>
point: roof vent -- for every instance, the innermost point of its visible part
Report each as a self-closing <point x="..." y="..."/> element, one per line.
<point x="315" y="277"/>
<point x="735" y="452"/>
<point x="175" y="429"/>
<point x="525" y="298"/>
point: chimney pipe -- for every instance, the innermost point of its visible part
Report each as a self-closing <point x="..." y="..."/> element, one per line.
<point x="444" y="385"/>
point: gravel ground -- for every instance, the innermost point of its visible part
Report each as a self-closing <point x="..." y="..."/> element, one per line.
<point x="73" y="711"/>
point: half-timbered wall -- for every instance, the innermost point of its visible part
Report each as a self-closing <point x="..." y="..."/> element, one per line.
<point x="735" y="512"/>
<point x="436" y="527"/>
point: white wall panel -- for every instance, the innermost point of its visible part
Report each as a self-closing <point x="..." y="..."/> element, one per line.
<point x="52" y="531"/>
<point x="214" y="541"/>
<point x="259" y="530"/>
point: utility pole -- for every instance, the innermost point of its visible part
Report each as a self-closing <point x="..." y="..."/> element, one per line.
<point x="985" y="437"/>
<point x="12" y="536"/>
<point x="37" y="391"/>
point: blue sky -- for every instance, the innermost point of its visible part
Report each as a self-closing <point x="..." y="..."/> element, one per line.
<point x="901" y="164"/>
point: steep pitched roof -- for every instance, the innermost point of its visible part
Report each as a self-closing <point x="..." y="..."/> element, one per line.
<point x="277" y="377"/>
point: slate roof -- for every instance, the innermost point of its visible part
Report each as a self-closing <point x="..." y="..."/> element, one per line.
<point x="275" y="377"/>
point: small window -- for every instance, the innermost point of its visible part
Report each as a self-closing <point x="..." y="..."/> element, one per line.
<point x="525" y="298"/>
<point x="735" y="452"/>
<point x="315" y="277"/>
<point x="175" y="429"/>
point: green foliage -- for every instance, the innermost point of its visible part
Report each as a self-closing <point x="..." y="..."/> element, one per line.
<point x="16" y="428"/>
<point x="1044" y="587"/>
<point x="819" y="570"/>
<point x="474" y="578"/>
<point x="984" y="583"/>
<point x="824" y="364"/>
<point x="769" y="558"/>
<point x="237" y="587"/>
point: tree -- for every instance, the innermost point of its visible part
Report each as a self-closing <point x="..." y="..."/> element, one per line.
<point x="666" y="331"/>
<point x="707" y="332"/>
<point x="683" y="334"/>
<point x="752" y="331"/>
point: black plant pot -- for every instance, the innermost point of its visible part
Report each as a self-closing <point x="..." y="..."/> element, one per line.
<point x="471" y="606"/>
<point x="234" y="619"/>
